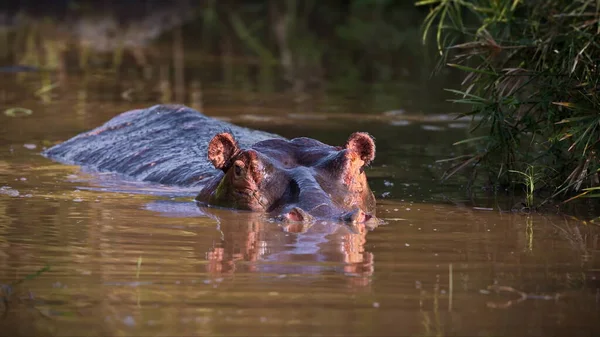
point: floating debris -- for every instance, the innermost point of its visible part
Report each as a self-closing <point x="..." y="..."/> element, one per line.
<point x="129" y="321"/>
<point x="7" y="190"/>
<point x="30" y="146"/>
<point x="520" y="296"/>
<point x="17" y="112"/>
<point x="46" y="89"/>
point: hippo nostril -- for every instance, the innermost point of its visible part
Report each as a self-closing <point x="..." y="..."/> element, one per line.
<point x="296" y="220"/>
<point x="296" y="214"/>
<point x="296" y="227"/>
<point x="356" y="216"/>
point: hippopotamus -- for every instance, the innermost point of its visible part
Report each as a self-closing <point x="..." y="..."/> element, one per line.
<point x="292" y="180"/>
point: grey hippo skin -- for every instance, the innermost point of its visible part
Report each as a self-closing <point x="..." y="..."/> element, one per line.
<point x="296" y="180"/>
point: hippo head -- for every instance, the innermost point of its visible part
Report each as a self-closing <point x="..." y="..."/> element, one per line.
<point x="294" y="180"/>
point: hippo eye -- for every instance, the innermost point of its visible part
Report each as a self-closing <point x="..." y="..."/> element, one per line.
<point x="237" y="168"/>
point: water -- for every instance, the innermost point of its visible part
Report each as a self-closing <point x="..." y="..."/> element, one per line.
<point x="83" y="253"/>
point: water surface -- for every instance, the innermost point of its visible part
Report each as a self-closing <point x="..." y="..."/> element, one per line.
<point x="88" y="253"/>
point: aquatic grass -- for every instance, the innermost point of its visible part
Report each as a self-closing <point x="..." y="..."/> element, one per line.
<point x="531" y="81"/>
<point x="530" y="178"/>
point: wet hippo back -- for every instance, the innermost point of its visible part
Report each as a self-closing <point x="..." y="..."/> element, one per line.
<point x="165" y="144"/>
<point x="298" y="180"/>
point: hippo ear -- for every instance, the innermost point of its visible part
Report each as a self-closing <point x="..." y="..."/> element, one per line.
<point x="221" y="150"/>
<point x="362" y="144"/>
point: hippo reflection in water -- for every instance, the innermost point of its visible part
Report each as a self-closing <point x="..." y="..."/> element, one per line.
<point x="296" y="180"/>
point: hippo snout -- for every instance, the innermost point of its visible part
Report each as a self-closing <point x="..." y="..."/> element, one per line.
<point x="297" y="215"/>
<point x="356" y="216"/>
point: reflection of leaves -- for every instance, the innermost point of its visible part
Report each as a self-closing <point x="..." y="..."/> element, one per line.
<point x="7" y="290"/>
<point x="378" y="39"/>
<point x="4" y="295"/>
<point x="380" y="26"/>
<point x="245" y="33"/>
<point x="209" y="15"/>
<point x="33" y="275"/>
<point x="5" y="167"/>
<point x="382" y="35"/>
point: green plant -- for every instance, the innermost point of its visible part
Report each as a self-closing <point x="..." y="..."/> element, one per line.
<point x="531" y="80"/>
<point x="530" y="179"/>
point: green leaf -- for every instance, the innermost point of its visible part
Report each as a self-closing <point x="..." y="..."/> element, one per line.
<point x="440" y="27"/>
<point x="574" y="119"/>
<point x="469" y="140"/>
<point x="473" y="70"/>
<point x="465" y="94"/>
<point x="519" y="172"/>
<point x="429" y="21"/>
<point x="468" y="101"/>
<point x="452" y="159"/>
<point x="426" y="2"/>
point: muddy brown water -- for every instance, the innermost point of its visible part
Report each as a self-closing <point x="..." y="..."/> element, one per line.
<point x="86" y="253"/>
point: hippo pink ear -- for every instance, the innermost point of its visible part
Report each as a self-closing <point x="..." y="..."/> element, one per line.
<point x="362" y="144"/>
<point x="221" y="150"/>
